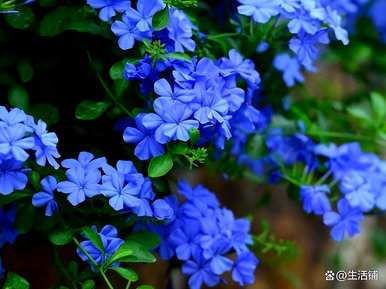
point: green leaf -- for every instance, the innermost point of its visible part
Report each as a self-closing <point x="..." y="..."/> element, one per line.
<point x="147" y="239"/>
<point x="360" y="112"/>
<point x="145" y="287"/>
<point x="61" y="237"/>
<point x="89" y="110"/>
<point x="25" y="70"/>
<point x="378" y="104"/>
<point x="178" y="56"/>
<point x="21" y="20"/>
<point x="25" y="218"/>
<point x="116" y="71"/>
<point x="126" y="273"/>
<point x="15" y="281"/>
<point x="94" y="238"/>
<point x="88" y="284"/>
<point x="194" y="136"/>
<point x="18" y="97"/>
<point x="161" y="19"/>
<point x="179" y="148"/>
<point x="160" y="166"/>
<point x="64" y="18"/>
<point x="132" y="252"/>
<point x="46" y="112"/>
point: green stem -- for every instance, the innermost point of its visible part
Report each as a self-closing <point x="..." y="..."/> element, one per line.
<point x="107" y="89"/>
<point x="224" y="35"/>
<point x="128" y="284"/>
<point x="94" y="263"/>
<point x="58" y="263"/>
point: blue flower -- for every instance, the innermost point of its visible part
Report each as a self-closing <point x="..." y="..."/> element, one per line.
<point x="186" y="239"/>
<point x="109" y="7"/>
<point x="344" y="223"/>
<point x="45" y="143"/>
<point x="12" y="117"/>
<point x="122" y="186"/>
<point x="305" y="46"/>
<point x="128" y="32"/>
<point x="237" y="65"/>
<point x="80" y="183"/>
<point x="171" y="120"/>
<point x="200" y="272"/>
<point x="180" y="31"/>
<point x="315" y="199"/>
<point x="111" y="243"/>
<point x="302" y="21"/>
<point x="13" y="140"/>
<point x="142" y="17"/>
<point x="46" y="198"/>
<point x="357" y="191"/>
<point x="162" y="210"/>
<point x="260" y="10"/>
<point x="85" y="161"/>
<point x="290" y="67"/>
<point x="163" y="89"/>
<point x="12" y="176"/>
<point x="146" y="145"/>
<point x="244" y="268"/>
<point x="8" y="233"/>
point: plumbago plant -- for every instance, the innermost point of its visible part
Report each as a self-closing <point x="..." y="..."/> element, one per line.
<point x="183" y="84"/>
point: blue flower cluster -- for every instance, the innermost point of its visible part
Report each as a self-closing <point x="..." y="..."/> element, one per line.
<point x="376" y="13"/>
<point x="135" y="24"/>
<point x="203" y="235"/>
<point x="19" y="136"/>
<point x="310" y="22"/>
<point x="87" y="177"/>
<point x="8" y="233"/>
<point x="198" y="94"/>
<point x="110" y="241"/>
<point x="361" y="180"/>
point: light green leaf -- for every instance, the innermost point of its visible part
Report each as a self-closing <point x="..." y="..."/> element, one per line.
<point x="160" y="166"/>
<point x="378" y="104"/>
<point x="89" y="284"/>
<point x="132" y="252"/>
<point x="15" y="281"/>
<point x="89" y="110"/>
<point x="178" y="56"/>
<point x="145" y="287"/>
<point x="126" y="273"/>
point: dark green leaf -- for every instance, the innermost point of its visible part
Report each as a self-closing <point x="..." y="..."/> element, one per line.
<point x="61" y="237"/>
<point x="89" y="284"/>
<point x="160" y="166"/>
<point x="126" y="273"/>
<point x="161" y="19"/>
<point x="89" y="110"/>
<point x="179" y="148"/>
<point x="94" y="238"/>
<point x="15" y="281"/>
<point x="147" y="239"/>
<point x="18" y="97"/>
<point x="46" y="112"/>
<point x="21" y="20"/>
<point x="26" y="70"/>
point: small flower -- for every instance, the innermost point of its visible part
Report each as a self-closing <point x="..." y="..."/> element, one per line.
<point x="111" y="243"/>
<point x="85" y="161"/>
<point x="315" y="200"/>
<point x="13" y="140"/>
<point x="80" y="183"/>
<point x="162" y="210"/>
<point x="12" y="176"/>
<point x="344" y="223"/>
<point x="244" y="268"/>
<point x="290" y="67"/>
<point x="46" y="196"/>
<point x="109" y="7"/>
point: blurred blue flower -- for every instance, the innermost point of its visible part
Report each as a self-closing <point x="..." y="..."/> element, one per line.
<point x="46" y="197"/>
<point x="290" y="68"/>
<point x="8" y="232"/>
<point x="109" y="7"/>
<point x="344" y="223"/>
<point x="315" y="199"/>
<point x="260" y="10"/>
<point x="244" y="268"/>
